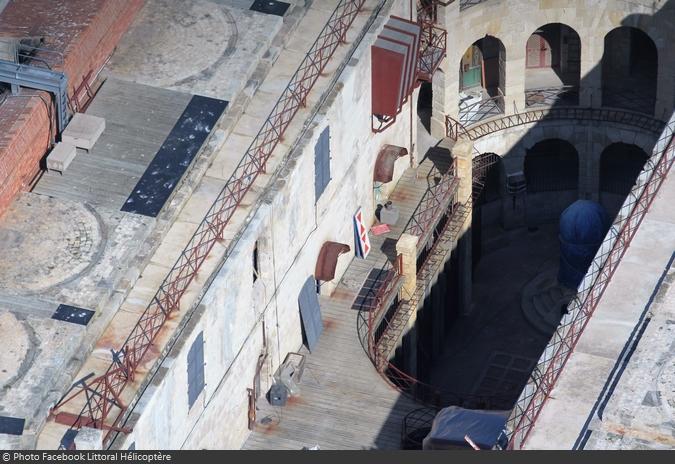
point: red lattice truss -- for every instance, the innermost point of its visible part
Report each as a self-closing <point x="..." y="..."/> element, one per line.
<point x="104" y="408"/>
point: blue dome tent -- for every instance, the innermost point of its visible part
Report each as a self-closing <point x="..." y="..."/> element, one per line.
<point x="583" y="226"/>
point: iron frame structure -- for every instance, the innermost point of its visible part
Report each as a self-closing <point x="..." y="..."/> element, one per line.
<point x="581" y="308"/>
<point x="432" y="51"/>
<point x="455" y="129"/>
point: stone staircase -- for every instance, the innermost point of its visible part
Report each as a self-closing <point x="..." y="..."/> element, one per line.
<point x="543" y="302"/>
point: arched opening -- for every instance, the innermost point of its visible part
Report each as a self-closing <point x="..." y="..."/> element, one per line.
<point x="482" y="80"/>
<point x="424" y="108"/>
<point x="620" y="165"/>
<point x="629" y="69"/>
<point x="552" y="165"/>
<point x="551" y="171"/>
<point x="487" y="173"/>
<point x="552" y="66"/>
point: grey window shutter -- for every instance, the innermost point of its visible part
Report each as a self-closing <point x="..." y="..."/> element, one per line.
<point x="195" y="369"/>
<point x="310" y="313"/>
<point x="322" y="163"/>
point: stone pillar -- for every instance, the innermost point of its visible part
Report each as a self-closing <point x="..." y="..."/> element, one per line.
<point x="590" y="86"/>
<point x="407" y="248"/>
<point x="514" y="100"/>
<point x="89" y="439"/>
<point x="514" y="205"/>
<point x="665" y="86"/>
<point x="462" y="152"/>
<point x="439" y="102"/>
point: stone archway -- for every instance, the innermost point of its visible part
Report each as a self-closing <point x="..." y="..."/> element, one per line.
<point x="552" y="66"/>
<point x="482" y="80"/>
<point x="629" y="70"/>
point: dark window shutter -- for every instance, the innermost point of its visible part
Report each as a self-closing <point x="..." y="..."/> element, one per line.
<point x="322" y="163"/>
<point x="310" y="313"/>
<point x="195" y="368"/>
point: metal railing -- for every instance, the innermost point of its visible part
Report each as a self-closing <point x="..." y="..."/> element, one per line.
<point x="416" y="426"/>
<point x="433" y="43"/>
<point x="481" y="169"/>
<point x="433" y="202"/>
<point x="82" y="95"/>
<point x="486" y="108"/>
<point x="465" y="4"/>
<point x="388" y="281"/>
<point x="381" y="341"/>
<point x="455" y="129"/>
<point x="591" y="289"/>
<point x="632" y="98"/>
<point x="103" y="394"/>
<point x="25" y="52"/>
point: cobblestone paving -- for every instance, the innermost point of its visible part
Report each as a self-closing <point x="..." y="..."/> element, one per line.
<point x="44" y="242"/>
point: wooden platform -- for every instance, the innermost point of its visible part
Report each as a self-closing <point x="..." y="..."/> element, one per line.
<point x="344" y="402"/>
<point x="138" y="120"/>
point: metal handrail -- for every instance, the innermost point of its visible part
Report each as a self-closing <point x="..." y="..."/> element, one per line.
<point x="455" y="129"/>
<point x="433" y="48"/>
<point x="103" y="393"/>
<point x="378" y="350"/>
<point x="32" y="55"/>
<point x="465" y="4"/>
<point x="591" y="289"/>
<point x="388" y="279"/>
<point x="485" y="108"/>
<point x="427" y="211"/>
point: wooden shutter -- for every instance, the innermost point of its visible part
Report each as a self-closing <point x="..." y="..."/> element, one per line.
<point x="322" y="163"/>
<point x="195" y="369"/>
<point x="310" y="313"/>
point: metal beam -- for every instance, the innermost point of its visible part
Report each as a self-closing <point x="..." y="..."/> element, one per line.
<point x="32" y="77"/>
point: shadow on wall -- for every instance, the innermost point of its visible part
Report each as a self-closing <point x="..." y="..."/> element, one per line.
<point x="534" y="184"/>
<point x="557" y="169"/>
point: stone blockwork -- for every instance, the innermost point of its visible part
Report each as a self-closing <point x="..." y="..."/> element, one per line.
<point x="237" y="316"/>
<point x="84" y="33"/>
<point x="512" y="22"/>
<point x="589" y="140"/>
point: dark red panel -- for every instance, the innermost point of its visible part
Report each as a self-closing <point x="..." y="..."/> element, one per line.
<point x="388" y="67"/>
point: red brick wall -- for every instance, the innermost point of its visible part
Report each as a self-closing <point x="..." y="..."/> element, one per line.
<point x="86" y="33"/>
<point x="24" y="138"/>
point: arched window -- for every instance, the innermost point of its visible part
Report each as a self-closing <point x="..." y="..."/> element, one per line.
<point x="552" y="66"/>
<point x="482" y="80"/>
<point x="620" y="165"/>
<point x="552" y="165"/>
<point x="487" y="173"/>
<point x="629" y="68"/>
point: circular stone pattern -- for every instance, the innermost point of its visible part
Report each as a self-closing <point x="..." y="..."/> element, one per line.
<point x="44" y="242"/>
<point x="175" y="41"/>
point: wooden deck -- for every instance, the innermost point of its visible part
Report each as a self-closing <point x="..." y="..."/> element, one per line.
<point x="344" y="403"/>
<point x="138" y="119"/>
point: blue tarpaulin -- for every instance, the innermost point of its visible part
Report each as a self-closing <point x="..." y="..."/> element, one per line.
<point x="453" y="423"/>
<point x="583" y="226"/>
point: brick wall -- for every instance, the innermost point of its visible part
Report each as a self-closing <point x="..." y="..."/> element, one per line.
<point x="86" y="33"/>
<point x="24" y="139"/>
